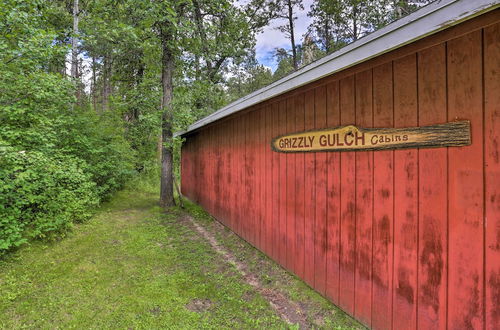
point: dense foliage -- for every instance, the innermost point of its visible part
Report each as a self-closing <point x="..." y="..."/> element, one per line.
<point x="67" y="143"/>
<point x="57" y="160"/>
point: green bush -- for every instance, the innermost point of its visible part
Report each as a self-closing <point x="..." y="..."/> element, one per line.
<point x="58" y="160"/>
<point x="41" y="196"/>
<point x="99" y="140"/>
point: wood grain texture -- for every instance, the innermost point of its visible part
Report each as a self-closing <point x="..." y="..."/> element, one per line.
<point x="299" y="192"/>
<point x="290" y="192"/>
<point x="433" y="194"/>
<point x="333" y="199"/>
<point x="423" y="251"/>
<point x="354" y="138"/>
<point x="492" y="174"/>
<point x="320" y="197"/>
<point x="347" y="202"/>
<point x="309" y="194"/>
<point x="465" y="199"/>
<point x="405" y="198"/>
<point x="383" y="201"/>
<point x="364" y="203"/>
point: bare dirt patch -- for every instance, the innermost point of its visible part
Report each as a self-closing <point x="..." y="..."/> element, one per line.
<point x="199" y="305"/>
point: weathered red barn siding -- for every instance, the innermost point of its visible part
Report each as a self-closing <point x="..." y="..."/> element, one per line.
<point x="401" y="239"/>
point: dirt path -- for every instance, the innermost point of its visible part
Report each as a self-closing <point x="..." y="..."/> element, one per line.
<point x="289" y="311"/>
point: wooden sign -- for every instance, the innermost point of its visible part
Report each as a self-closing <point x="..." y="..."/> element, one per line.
<point x="351" y="138"/>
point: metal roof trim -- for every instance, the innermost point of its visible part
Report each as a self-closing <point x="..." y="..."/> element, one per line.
<point x="428" y="20"/>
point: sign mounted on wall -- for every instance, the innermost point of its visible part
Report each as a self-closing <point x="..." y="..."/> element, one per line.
<point x="352" y="138"/>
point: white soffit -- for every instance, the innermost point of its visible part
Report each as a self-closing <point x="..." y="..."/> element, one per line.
<point x="428" y="20"/>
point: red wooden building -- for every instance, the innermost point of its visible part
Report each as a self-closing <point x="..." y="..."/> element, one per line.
<point x="400" y="239"/>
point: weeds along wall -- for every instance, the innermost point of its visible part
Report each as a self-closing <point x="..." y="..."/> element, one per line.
<point x="400" y="239"/>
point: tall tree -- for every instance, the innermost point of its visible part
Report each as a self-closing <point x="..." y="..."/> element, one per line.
<point x="338" y="22"/>
<point x="206" y="38"/>
<point x="74" y="41"/>
<point x="287" y="10"/>
<point x="326" y="31"/>
<point x="167" y="36"/>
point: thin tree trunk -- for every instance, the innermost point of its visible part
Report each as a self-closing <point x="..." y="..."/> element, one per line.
<point x="74" y="42"/>
<point x="106" y="82"/>
<point x="166" y="186"/>
<point x="355" y="23"/>
<point x="94" y="84"/>
<point x="328" y="39"/>
<point x="292" y="36"/>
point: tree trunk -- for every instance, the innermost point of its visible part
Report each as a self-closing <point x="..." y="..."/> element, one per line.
<point x="355" y="23"/>
<point x="94" y="84"/>
<point x="106" y="82"/>
<point x="166" y="186"/>
<point x="74" y="42"/>
<point x="328" y="39"/>
<point x="292" y="36"/>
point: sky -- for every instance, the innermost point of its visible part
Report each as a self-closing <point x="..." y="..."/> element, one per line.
<point x="272" y="38"/>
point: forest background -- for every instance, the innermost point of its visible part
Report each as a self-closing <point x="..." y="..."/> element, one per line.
<point x="91" y="91"/>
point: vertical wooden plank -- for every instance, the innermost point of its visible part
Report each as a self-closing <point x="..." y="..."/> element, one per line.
<point x="229" y="176"/>
<point x="216" y="174"/>
<point x="268" y="198"/>
<point x="275" y="186"/>
<point x="309" y="194"/>
<point x="465" y="201"/>
<point x="212" y="160"/>
<point x="492" y="173"/>
<point x="266" y="167"/>
<point x="333" y="196"/>
<point x="256" y="181"/>
<point x="364" y="202"/>
<point x="405" y="198"/>
<point x="259" y="175"/>
<point x="299" y="191"/>
<point x="347" y="201"/>
<point x="320" y="192"/>
<point x="187" y="171"/>
<point x="224" y="141"/>
<point x="290" y="189"/>
<point x="233" y="201"/>
<point x="241" y="190"/>
<point x="383" y="201"/>
<point x="282" y="189"/>
<point x="184" y="152"/>
<point x="200" y="165"/>
<point x="251" y="186"/>
<point x="217" y="171"/>
<point x="245" y="215"/>
<point x="433" y="216"/>
<point x="208" y="161"/>
<point x="194" y="182"/>
<point x="204" y="167"/>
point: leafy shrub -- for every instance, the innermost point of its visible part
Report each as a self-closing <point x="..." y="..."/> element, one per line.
<point x="41" y="196"/>
<point x="99" y="140"/>
<point x="60" y="160"/>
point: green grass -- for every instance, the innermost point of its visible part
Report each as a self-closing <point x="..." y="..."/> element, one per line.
<point x="132" y="266"/>
<point x="321" y="313"/>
